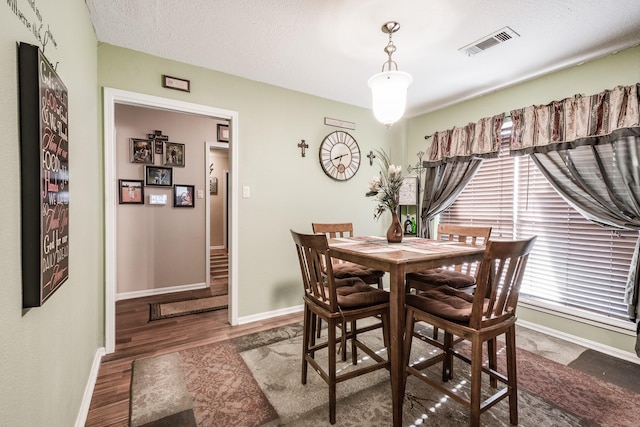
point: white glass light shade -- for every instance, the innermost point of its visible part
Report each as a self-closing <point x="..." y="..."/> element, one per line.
<point x="389" y="92"/>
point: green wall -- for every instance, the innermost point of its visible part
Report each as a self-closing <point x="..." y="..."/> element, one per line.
<point x="621" y="69"/>
<point x="287" y="191"/>
<point x="46" y="353"/>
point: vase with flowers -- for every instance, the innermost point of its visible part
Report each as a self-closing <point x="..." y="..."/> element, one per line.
<point x="386" y="189"/>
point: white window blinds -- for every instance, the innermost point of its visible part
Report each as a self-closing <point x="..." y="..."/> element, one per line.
<point x="576" y="266"/>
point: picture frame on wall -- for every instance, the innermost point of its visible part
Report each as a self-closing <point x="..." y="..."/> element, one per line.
<point x="158" y="176"/>
<point x="44" y="176"/>
<point x="183" y="196"/>
<point x="223" y="133"/>
<point x="213" y="185"/>
<point x="141" y="151"/>
<point x="131" y="191"/>
<point x="173" y="154"/>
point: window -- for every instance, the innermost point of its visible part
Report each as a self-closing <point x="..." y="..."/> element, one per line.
<point x="576" y="267"/>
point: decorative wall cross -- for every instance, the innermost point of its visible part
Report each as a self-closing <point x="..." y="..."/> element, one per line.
<point x="158" y="138"/>
<point x="303" y="146"/>
<point x="419" y="167"/>
<point x="371" y="156"/>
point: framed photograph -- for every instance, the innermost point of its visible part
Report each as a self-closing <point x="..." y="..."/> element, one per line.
<point x="141" y="151"/>
<point x="173" y="154"/>
<point x="131" y="191"/>
<point x="213" y="185"/>
<point x="223" y="133"/>
<point x="158" y="176"/>
<point x="183" y="196"/>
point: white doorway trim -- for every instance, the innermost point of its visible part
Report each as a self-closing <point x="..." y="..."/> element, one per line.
<point x="116" y="96"/>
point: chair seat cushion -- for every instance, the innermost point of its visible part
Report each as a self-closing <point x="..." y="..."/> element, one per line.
<point x="360" y="295"/>
<point x="446" y="302"/>
<point x="348" y="269"/>
<point x="440" y="277"/>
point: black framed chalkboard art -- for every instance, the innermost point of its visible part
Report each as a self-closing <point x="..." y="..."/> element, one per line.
<point x="44" y="157"/>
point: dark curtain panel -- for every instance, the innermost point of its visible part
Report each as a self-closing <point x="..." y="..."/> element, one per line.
<point x="588" y="148"/>
<point x="453" y="158"/>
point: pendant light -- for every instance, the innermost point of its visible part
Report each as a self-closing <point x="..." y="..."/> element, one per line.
<point x="389" y="88"/>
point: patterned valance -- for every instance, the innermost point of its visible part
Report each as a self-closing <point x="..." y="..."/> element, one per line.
<point x="476" y="140"/>
<point x="575" y="121"/>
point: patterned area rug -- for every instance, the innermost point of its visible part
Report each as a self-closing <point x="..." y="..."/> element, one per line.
<point x="255" y="381"/>
<point x="188" y="306"/>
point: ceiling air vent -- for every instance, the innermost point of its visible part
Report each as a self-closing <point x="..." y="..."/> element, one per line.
<point x="500" y="36"/>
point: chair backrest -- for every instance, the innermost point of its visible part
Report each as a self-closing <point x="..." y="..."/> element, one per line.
<point x="318" y="281"/>
<point x="498" y="281"/>
<point x="471" y="234"/>
<point x="343" y="229"/>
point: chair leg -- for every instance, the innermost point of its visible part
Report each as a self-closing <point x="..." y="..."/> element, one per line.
<point x="492" y="355"/>
<point x="447" y="362"/>
<point x="380" y="285"/>
<point x="512" y="375"/>
<point x="307" y="329"/>
<point x="354" y="346"/>
<point x="332" y="369"/>
<point x="408" y="336"/>
<point x="476" y="381"/>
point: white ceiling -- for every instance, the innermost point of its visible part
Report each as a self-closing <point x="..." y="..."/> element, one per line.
<point x="330" y="48"/>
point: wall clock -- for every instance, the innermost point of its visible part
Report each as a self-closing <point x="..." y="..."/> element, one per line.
<point x="339" y="155"/>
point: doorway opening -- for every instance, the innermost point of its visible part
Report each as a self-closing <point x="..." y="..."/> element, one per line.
<point x="110" y="99"/>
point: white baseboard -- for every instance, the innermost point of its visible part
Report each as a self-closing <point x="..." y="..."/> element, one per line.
<point x="160" y="291"/>
<point x="269" y="314"/>
<point x="83" y="412"/>
<point x="611" y="351"/>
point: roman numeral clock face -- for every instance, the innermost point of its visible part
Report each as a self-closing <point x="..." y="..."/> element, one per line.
<point x="339" y="156"/>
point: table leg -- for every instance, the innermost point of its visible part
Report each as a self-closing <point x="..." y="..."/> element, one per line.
<point x="397" y="319"/>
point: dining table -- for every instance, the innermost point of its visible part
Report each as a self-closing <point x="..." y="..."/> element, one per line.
<point x="410" y="255"/>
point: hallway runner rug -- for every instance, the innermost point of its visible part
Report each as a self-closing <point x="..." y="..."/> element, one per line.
<point x="254" y="381"/>
<point x="166" y="310"/>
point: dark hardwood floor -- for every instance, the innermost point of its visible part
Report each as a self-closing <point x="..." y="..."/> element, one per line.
<point x="136" y="338"/>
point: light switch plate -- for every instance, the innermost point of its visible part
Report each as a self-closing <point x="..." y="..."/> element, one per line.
<point x="246" y="191"/>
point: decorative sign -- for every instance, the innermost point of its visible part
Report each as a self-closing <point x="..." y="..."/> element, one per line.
<point x="176" y="83"/>
<point x="339" y="123"/>
<point x="409" y="191"/>
<point x="44" y="140"/>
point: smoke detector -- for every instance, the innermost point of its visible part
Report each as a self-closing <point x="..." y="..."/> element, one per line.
<point x="500" y="36"/>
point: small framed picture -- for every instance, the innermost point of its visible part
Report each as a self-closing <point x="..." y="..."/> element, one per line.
<point x="223" y="133"/>
<point x="213" y="185"/>
<point x="131" y="191"/>
<point x="173" y="154"/>
<point x="141" y="151"/>
<point x="158" y="176"/>
<point x="183" y="196"/>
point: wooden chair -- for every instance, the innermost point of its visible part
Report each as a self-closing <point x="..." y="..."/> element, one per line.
<point x="459" y="276"/>
<point x="462" y="276"/>
<point x="337" y="302"/>
<point x="477" y="318"/>
<point x="344" y="269"/>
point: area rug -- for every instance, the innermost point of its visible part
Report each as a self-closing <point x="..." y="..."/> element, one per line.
<point x="255" y="381"/>
<point x="187" y="306"/>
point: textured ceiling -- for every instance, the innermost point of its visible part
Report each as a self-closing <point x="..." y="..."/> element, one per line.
<point x="330" y="48"/>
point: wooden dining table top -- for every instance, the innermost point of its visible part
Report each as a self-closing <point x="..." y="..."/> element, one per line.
<point x="398" y="259"/>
